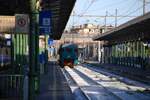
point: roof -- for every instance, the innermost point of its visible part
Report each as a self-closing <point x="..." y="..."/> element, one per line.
<point x="61" y="10"/>
<point x="131" y="28"/>
<point x="10" y="7"/>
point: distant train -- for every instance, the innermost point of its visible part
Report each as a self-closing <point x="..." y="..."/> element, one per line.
<point x="68" y="55"/>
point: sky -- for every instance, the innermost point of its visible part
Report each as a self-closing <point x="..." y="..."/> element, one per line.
<point x="100" y="7"/>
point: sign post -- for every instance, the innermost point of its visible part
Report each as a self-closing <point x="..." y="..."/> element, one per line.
<point x="44" y="22"/>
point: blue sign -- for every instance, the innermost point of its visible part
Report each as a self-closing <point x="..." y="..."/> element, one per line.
<point x="50" y="41"/>
<point x="45" y="22"/>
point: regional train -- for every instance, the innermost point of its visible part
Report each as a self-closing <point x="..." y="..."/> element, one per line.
<point x="68" y="55"/>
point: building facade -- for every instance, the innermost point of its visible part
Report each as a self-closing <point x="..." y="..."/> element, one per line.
<point x="82" y="35"/>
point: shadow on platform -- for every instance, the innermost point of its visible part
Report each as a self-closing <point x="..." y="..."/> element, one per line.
<point x="53" y="85"/>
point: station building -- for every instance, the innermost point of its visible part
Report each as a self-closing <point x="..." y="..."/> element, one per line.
<point x="82" y="35"/>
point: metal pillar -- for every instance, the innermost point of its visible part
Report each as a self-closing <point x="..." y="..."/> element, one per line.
<point x="32" y="53"/>
<point x="99" y="51"/>
<point x="12" y="51"/>
<point x="31" y="63"/>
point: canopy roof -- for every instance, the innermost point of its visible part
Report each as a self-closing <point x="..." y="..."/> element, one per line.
<point x="133" y="29"/>
<point x="61" y="10"/>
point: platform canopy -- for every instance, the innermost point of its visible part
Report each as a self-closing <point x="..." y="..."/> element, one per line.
<point x="138" y="28"/>
<point x="61" y="10"/>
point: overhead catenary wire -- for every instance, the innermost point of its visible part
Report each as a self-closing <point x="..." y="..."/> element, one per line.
<point x="147" y="1"/>
<point x="83" y="13"/>
<point x="103" y="16"/>
<point x="110" y="5"/>
<point x="139" y="8"/>
<point x="127" y="11"/>
<point x="88" y="7"/>
<point x="91" y="3"/>
<point x="84" y="6"/>
<point x="109" y="15"/>
<point x="143" y="6"/>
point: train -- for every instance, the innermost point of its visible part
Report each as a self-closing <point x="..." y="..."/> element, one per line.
<point x="68" y="55"/>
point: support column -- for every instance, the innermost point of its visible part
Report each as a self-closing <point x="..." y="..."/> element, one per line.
<point x="99" y="52"/>
<point x="32" y="53"/>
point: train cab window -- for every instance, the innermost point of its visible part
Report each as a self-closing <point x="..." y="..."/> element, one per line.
<point x="68" y="49"/>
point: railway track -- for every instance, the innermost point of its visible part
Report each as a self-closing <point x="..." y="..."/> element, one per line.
<point x="88" y="87"/>
<point x="98" y="86"/>
<point x="75" y="88"/>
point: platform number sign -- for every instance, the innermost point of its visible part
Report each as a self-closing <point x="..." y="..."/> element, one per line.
<point x="44" y="22"/>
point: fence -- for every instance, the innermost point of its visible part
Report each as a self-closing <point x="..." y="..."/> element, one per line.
<point x="11" y="87"/>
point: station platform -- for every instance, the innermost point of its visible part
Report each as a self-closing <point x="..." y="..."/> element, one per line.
<point x="130" y="72"/>
<point x="53" y="85"/>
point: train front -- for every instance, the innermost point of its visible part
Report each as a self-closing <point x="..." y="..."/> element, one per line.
<point x="68" y="55"/>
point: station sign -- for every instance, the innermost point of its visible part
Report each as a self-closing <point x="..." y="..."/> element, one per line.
<point x="7" y="24"/>
<point x="45" y="22"/>
<point x="22" y="23"/>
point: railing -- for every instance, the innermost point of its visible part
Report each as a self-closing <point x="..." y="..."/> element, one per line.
<point x="137" y="62"/>
<point x="11" y="87"/>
